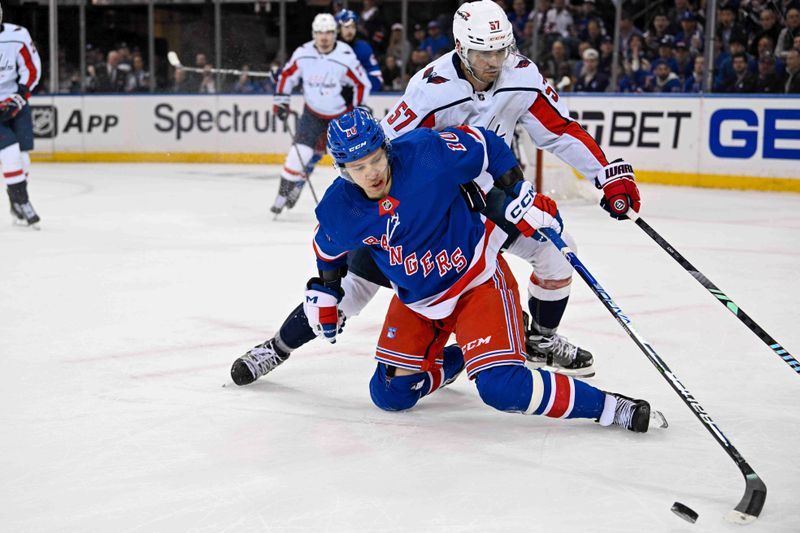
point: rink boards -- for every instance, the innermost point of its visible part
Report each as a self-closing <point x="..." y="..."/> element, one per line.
<point x="745" y="143"/>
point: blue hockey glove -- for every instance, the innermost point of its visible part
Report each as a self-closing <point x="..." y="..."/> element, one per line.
<point x="321" y="306"/>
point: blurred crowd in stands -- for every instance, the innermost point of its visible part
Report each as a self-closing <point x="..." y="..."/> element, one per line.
<point x="757" y="49"/>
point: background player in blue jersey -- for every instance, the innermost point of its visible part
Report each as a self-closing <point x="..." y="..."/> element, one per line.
<point x="403" y="201"/>
<point x="348" y="32"/>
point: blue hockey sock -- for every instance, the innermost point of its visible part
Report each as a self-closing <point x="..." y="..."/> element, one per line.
<point x="295" y="330"/>
<point x="515" y="388"/>
<point x="546" y="315"/>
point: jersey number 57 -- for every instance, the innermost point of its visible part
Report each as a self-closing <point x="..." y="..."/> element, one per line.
<point x="401" y="109"/>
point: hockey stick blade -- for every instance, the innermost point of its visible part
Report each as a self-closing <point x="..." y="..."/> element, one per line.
<point x="723" y="298"/>
<point x="172" y="57"/>
<point x="751" y="504"/>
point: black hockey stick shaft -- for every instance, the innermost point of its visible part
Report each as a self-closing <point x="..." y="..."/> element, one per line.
<point x="302" y="163"/>
<point x="755" y="494"/>
<point x="723" y="298"/>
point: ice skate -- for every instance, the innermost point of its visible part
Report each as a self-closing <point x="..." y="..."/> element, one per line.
<point x="257" y="362"/>
<point x="558" y="353"/>
<point x="24" y="215"/>
<point x="294" y="194"/>
<point x="633" y="415"/>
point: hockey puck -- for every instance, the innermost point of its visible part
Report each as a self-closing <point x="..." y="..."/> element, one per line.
<point x="684" y="512"/>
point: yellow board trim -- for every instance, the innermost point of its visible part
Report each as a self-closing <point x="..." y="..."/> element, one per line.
<point x="163" y="157"/>
<point x="685" y="179"/>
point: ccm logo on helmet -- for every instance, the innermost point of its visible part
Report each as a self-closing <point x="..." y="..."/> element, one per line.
<point x="356" y="147"/>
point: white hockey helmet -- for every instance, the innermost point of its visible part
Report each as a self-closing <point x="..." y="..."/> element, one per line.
<point x="323" y="22"/>
<point x="481" y="26"/>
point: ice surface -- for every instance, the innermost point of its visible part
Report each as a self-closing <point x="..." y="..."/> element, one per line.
<point x="121" y="318"/>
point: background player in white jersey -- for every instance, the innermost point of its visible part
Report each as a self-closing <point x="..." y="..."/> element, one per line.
<point x="20" y="69"/>
<point x="325" y="66"/>
<point x="485" y="83"/>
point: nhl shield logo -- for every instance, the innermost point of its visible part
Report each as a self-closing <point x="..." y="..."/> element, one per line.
<point x="45" y="121"/>
<point x="386" y="204"/>
<point x="391" y="332"/>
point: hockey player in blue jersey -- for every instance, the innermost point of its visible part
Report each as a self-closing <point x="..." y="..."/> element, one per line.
<point x="347" y="20"/>
<point x="403" y="201"/>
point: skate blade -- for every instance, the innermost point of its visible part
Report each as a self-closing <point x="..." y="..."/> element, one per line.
<point x="586" y="372"/>
<point x="658" y="420"/>
<point x="22" y="224"/>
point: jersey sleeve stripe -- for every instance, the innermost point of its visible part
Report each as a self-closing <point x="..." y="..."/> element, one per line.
<point x="559" y="125"/>
<point x="285" y="75"/>
<point x="359" y="87"/>
<point x="29" y="64"/>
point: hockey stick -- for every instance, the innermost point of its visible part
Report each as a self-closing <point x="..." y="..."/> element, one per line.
<point x="302" y="163"/>
<point x="173" y="59"/>
<point x="755" y="493"/>
<point x="723" y="298"/>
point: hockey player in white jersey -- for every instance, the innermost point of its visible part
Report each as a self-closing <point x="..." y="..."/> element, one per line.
<point x="20" y="69"/>
<point x="484" y="82"/>
<point x="324" y="66"/>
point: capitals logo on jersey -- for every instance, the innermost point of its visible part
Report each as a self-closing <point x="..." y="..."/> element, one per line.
<point x="432" y="77"/>
<point x="523" y="62"/>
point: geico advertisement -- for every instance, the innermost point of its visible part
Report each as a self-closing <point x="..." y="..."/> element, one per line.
<point x="747" y="136"/>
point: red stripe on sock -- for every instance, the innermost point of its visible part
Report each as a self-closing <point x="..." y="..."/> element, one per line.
<point x="562" y="394"/>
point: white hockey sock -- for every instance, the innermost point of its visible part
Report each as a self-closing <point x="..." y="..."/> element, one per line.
<point x="11" y="160"/>
<point x="294" y="167"/>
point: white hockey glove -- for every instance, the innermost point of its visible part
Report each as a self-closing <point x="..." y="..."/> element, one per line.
<point x="280" y="106"/>
<point x="620" y="192"/>
<point x="321" y="306"/>
<point x="530" y="211"/>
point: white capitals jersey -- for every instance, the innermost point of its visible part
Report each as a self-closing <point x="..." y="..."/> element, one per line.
<point x="19" y="60"/>
<point x="439" y="96"/>
<point x="323" y="76"/>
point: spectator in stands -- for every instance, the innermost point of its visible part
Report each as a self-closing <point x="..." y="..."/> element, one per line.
<point x="663" y="80"/>
<point x="373" y="27"/>
<point x="111" y="75"/>
<point x="665" y="52"/>
<point x="139" y="77"/>
<point x="398" y="47"/>
<point x="789" y="33"/>
<point x="586" y="13"/>
<point x="675" y="15"/>
<point x="392" y="74"/>
<point x="626" y="30"/>
<point x="792" y="83"/>
<point x="518" y="17"/>
<point x="726" y="73"/>
<point x="436" y="43"/>
<point x="593" y="34"/>
<point x="419" y="58"/>
<point x="694" y="82"/>
<point x="635" y="74"/>
<point x="728" y="27"/>
<point x="606" y="55"/>
<point x="764" y="44"/>
<point x="194" y="79"/>
<point x="208" y="84"/>
<point x="658" y="30"/>
<point x="769" y="28"/>
<point x="684" y="63"/>
<point x="768" y="81"/>
<point x="743" y="81"/>
<point x="180" y="83"/>
<point x="591" y="80"/>
<point x="558" y="21"/>
<point x="245" y="84"/>
<point x="690" y="33"/>
<point x="558" y="60"/>
<point x="418" y="37"/>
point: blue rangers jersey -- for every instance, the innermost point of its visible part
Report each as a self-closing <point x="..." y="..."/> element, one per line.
<point x="366" y="56"/>
<point x="422" y="235"/>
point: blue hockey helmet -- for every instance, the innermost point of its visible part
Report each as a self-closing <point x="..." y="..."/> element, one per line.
<point x="346" y="16"/>
<point x="354" y="135"/>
